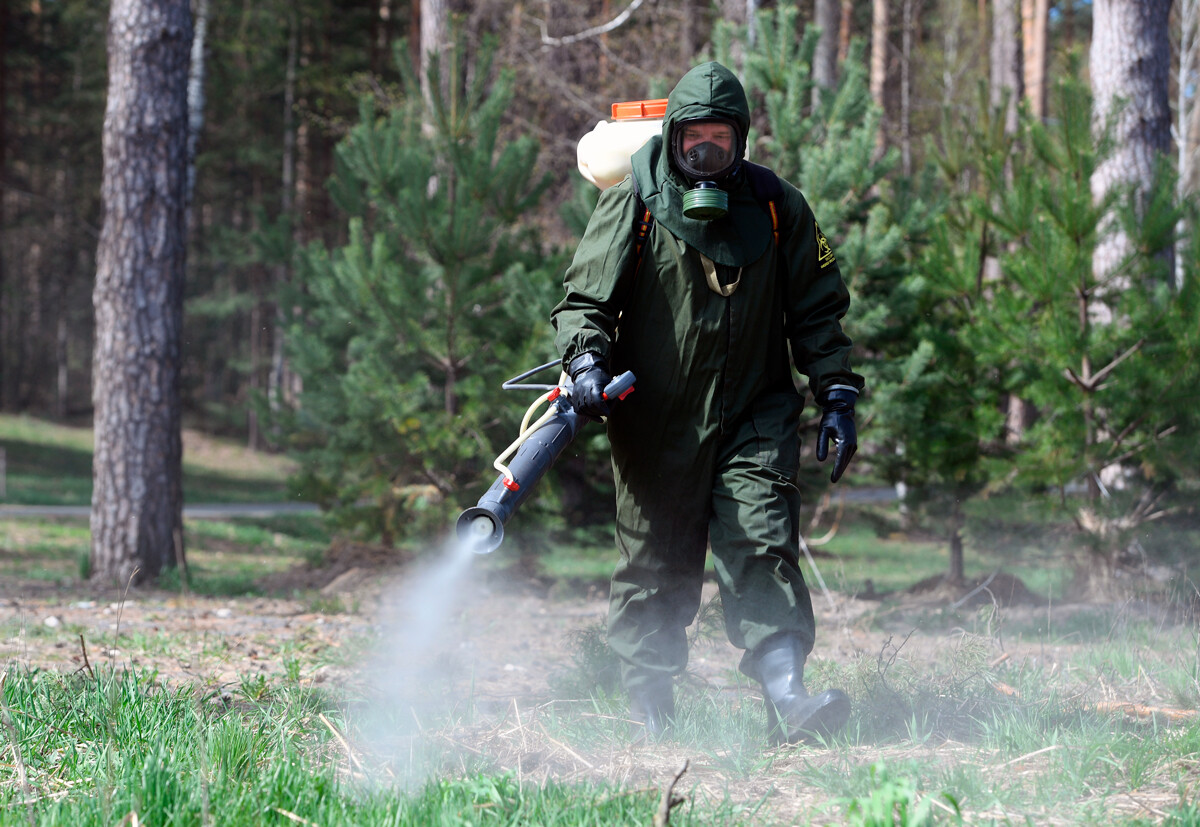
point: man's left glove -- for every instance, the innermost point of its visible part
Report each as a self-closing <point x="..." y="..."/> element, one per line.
<point x="589" y="377"/>
<point x="837" y="423"/>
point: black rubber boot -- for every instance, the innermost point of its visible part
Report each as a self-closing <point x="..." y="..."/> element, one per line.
<point x="652" y="708"/>
<point x="794" y="716"/>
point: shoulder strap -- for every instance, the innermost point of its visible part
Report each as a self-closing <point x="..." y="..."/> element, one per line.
<point x="642" y="223"/>
<point x="767" y="191"/>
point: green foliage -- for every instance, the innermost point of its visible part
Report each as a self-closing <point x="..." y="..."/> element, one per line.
<point x="825" y="142"/>
<point x="403" y="335"/>
<point x="895" y="802"/>
<point x="594" y="669"/>
<point x="1102" y="356"/>
<point x="1102" y="359"/>
<point x="940" y="416"/>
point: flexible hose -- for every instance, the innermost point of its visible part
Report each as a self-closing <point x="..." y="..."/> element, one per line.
<point x="527" y="430"/>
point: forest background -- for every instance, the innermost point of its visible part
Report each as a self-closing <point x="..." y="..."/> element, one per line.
<point x="1017" y="228"/>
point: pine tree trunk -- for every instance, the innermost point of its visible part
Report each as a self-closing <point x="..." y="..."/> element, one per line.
<point x="1006" y="61"/>
<point x="1188" y="121"/>
<point x="280" y="272"/>
<point x="906" y="48"/>
<point x="434" y="33"/>
<point x="844" y="30"/>
<point x="879" y="52"/>
<point x="1130" y="66"/>
<point x="827" y="16"/>
<point x="734" y="12"/>
<point x="62" y="373"/>
<point x="137" y="499"/>
<point x="751" y="23"/>
<point x="3" y="176"/>
<point x="195" y="98"/>
<point x="1035" y="18"/>
<point x="956" y="574"/>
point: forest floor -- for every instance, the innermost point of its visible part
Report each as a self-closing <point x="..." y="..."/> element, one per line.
<point x="978" y="696"/>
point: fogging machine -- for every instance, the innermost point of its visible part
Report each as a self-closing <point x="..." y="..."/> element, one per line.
<point x="538" y="446"/>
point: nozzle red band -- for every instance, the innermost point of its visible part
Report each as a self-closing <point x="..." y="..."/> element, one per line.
<point x="511" y="485"/>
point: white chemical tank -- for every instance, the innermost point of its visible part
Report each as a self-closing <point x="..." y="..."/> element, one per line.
<point x="603" y="155"/>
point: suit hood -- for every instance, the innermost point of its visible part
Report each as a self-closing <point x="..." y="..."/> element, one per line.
<point x="707" y="91"/>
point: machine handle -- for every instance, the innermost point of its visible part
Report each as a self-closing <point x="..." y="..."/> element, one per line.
<point x="620" y="387"/>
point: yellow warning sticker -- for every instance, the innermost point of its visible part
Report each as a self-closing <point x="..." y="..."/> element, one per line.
<point x="824" y="251"/>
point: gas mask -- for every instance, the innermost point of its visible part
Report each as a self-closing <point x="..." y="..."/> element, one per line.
<point x="706" y="151"/>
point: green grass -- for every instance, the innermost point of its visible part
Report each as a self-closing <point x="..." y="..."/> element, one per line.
<point x="95" y="750"/>
<point x="224" y="557"/>
<point x="50" y="464"/>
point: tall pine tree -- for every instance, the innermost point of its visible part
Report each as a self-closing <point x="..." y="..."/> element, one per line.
<point x="403" y="335"/>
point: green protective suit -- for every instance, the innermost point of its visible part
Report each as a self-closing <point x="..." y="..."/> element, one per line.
<point x="706" y="450"/>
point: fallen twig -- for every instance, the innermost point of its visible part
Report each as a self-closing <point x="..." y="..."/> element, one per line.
<point x="566" y="749"/>
<point x="1005" y="689"/>
<point x="288" y="814"/>
<point x="341" y="740"/>
<point x="981" y="587"/>
<point x="669" y="800"/>
<point x="1133" y="710"/>
<point x="1029" y="755"/>
<point x="999" y="659"/>
<point x="520" y="726"/>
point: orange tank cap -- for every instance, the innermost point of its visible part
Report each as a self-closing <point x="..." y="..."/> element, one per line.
<point x="630" y="110"/>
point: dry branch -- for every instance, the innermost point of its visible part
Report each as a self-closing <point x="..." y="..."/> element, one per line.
<point x="1140" y="711"/>
<point x="86" y="665"/>
<point x="288" y="814"/>
<point x="566" y="749"/>
<point x="595" y="31"/>
<point x="1005" y="689"/>
<point x="669" y="800"/>
<point x="341" y="740"/>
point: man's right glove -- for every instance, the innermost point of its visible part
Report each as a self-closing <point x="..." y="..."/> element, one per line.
<point x="589" y="378"/>
<point x="837" y="423"/>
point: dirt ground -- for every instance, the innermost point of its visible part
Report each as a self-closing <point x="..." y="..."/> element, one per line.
<point x="504" y="635"/>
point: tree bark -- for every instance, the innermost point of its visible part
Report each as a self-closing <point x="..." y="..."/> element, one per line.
<point x="434" y="34"/>
<point x="844" y="30"/>
<point x="3" y="176"/>
<point x="879" y="53"/>
<point x="137" y="499"/>
<point x="281" y="271"/>
<point x="906" y="48"/>
<point x="195" y="98"/>
<point x="734" y="12"/>
<point x="827" y="15"/>
<point x="1130" y="63"/>
<point x="1187" y="137"/>
<point x="1035" y="18"/>
<point x="1005" y="76"/>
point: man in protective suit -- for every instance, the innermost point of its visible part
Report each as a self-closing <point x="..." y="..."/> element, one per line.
<point x="697" y="273"/>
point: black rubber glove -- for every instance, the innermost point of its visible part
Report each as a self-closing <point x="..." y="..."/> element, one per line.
<point x="589" y="378"/>
<point x="837" y="423"/>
